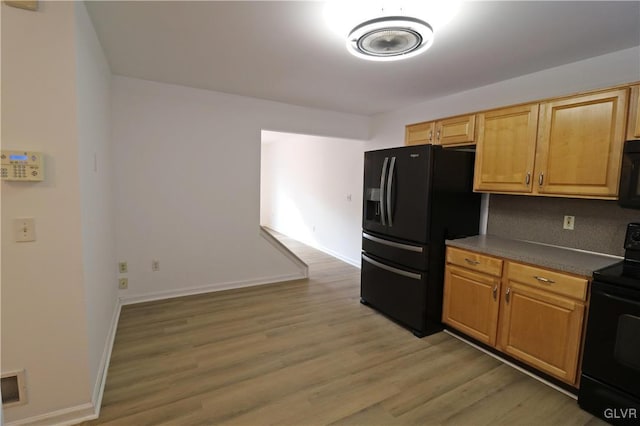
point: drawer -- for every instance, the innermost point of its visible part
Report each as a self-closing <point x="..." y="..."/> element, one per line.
<point x="474" y="261"/>
<point x="553" y="281"/>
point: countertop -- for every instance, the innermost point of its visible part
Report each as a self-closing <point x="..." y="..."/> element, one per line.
<point x="553" y="257"/>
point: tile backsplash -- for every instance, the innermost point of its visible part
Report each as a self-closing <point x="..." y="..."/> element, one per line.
<point x="599" y="225"/>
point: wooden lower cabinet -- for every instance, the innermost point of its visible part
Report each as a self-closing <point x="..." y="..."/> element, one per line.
<point x="542" y="329"/>
<point x="532" y="314"/>
<point x="471" y="303"/>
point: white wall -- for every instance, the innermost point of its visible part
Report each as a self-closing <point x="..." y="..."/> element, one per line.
<point x="307" y="182"/>
<point x="595" y="73"/>
<point x="187" y="167"/>
<point x="44" y="325"/>
<point x="96" y="198"/>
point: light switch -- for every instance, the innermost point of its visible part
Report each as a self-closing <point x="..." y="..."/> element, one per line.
<point x="25" y="229"/>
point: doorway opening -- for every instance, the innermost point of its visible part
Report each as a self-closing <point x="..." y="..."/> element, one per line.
<point x="311" y="191"/>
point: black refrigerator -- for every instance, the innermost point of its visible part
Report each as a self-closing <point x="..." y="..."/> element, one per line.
<point x="415" y="197"/>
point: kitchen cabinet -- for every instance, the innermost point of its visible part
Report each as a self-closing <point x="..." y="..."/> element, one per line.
<point x="471" y="290"/>
<point x="530" y="313"/>
<point x="453" y="131"/>
<point x="633" y="128"/>
<point x="579" y="150"/>
<point x="542" y="317"/>
<point x="420" y="133"/>
<point x="506" y="149"/>
<point x="569" y="147"/>
<point x="561" y="147"/>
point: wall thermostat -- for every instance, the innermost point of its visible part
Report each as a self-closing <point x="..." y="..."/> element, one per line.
<point x="23" y="166"/>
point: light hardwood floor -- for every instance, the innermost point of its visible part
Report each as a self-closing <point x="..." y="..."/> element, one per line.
<point x="308" y="353"/>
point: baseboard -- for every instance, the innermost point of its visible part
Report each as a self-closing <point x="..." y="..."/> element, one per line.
<point x="522" y="370"/>
<point x="169" y="294"/>
<point x="90" y="410"/>
<point x="64" y="417"/>
<point x="98" y="389"/>
<point x="352" y="262"/>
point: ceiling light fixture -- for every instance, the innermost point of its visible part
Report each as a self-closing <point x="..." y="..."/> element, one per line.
<point x="390" y="38"/>
<point x="387" y="30"/>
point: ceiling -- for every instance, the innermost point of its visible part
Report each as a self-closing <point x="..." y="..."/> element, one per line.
<point x="283" y="50"/>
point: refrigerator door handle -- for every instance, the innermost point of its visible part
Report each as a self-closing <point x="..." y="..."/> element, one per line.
<point x="392" y="243"/>
<point x="382" y="176"/>
<point x="388" y="191"/>
<point x="391" y="268"/>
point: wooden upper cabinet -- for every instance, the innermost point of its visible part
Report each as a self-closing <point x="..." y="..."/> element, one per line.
<point x="454" y="131"/>
<point x="563" y="147"/>
<point x="505" y="150"/>
<point x="633" y="128"/>
<point x="420" y="133"/>
<point x="579" y="147"/>
<point x="460" y="130"/>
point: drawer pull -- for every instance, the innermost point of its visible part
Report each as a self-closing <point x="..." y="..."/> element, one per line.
<point x="506" y="295"/>
<point x="527" y="180"/>
<point x="495" y="292"/>
<point x="544" y="280"/>
<point x="471" y="261"/>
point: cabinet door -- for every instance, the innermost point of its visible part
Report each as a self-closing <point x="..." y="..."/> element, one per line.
<point x="541" y="329"/>
<point x="459" y="130"/>
<point x="506" y="149"/>
<point x="470" y="303"/>
<point x="419" y="134"/>
<point x="633" y="129"/>
<point x="580" y="145"/>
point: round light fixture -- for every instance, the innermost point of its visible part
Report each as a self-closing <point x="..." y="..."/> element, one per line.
<point x="390" y="38"/>
<point x="388" y="30"/>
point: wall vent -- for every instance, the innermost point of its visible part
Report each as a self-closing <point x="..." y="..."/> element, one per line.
<point x="13" y="388"/>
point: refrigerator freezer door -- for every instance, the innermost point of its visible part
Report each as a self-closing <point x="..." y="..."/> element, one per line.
<point x="397" y="292"/>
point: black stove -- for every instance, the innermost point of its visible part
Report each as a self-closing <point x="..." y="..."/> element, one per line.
<point x="622" y="274"/>
<point x="610" y="380"/>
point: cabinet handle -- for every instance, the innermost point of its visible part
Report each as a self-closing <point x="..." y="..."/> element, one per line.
<point x="544" y="280"/>
<point x="471" y="262"/>
<point x="430" y="138"/>
<point x="540" y="179"/>
<point x="506" y="295"/>
<point x="527" y="180"/>
<point x="438" y="135"/>
<point x="495" y="292"/>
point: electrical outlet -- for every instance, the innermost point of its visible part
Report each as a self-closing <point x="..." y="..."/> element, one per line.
<point x="569" y="222"/>
<point x="123" y="268"/>
<point x="155" y="265"/>
<point x="123" y="283"/>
